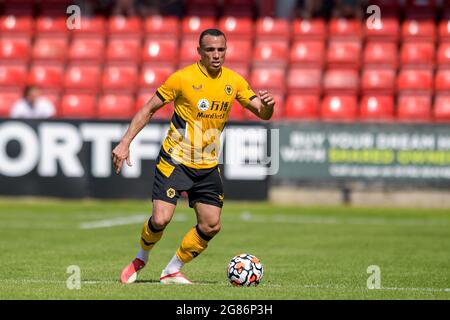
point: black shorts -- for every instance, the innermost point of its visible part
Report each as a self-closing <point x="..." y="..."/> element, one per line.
<point x="201" y="185"/>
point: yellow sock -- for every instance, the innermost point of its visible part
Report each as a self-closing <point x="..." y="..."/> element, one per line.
<point x="150" y="236"/>
<point x="193" y="243"/>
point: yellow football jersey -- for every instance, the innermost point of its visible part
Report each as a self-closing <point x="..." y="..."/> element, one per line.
<point x="202" y="105"/>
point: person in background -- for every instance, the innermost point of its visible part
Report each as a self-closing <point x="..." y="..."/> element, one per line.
<point x="32" y="105"/>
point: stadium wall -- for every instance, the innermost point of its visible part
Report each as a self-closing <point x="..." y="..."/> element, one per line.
<point x="292" y="163"/>
<point x="72" y="159"/>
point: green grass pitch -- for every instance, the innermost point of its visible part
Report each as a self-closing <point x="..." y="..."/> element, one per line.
<point x="307" y="253"/>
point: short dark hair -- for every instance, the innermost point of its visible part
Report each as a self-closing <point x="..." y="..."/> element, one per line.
<point x="211" y="32"/>
<point x="28" y="89"/>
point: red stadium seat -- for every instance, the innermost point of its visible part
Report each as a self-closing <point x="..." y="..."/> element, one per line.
<point x="278" y="112"/>
<point x="164" y="113"/>
<point x="15" y="49"/>
<point x="339" y="108"/>
<point x="18" y="8"/>
<point x="120" y="26"/>
<point x="341" y="28"/>
<point x="304" y="80"/>
<point x="7" y="99"/>
<point x="415" y="81"/>
<point x="423" y="30"/>
<point x="78" y="106"/>
<point x="237" y="112"/>
<point x="203" y="11"/>
<point x="202" y="8"/>
<point x="268" y="28"/>
<point x="314" y="29"/>
<point x="51" y="25"/>
<point x="153" y="76"/>
<point x="420" y="9"/>
<point x="442" y="81"/>
<point x="417" y="54"/>
<point x="376" y="108"/>
<point x="414" y="108"/>
<point x="53" y="7"/>
<point x="87" y="50"/>
<point x="443" y="55"/>
<point x="421" y="4"/>
<point x="237" y="27"/>
<point x="54" y="96"/>
<point x="188" y="52"/>
<point x="240" y="68"/>
<point x="12" y="76"/>
<point x="238" y="51"/>
<point x="270" y="53"/>
<point x="161" y="26"/>
<point x="120" y="78"/>
<point x="381" y="54"/>
<point x="444" y="29"/>
<point x="307" y="53"/>
<point x="268" y="78"/>
<point x="50" y="49"/>
<point x="341" y="81"/>
<point x="192" y="26"/>
<point x="111" y="106"/>
<point x="441" y="110"/>
<point x="160" y="51"/>
<point x="22" y="25"/>
<point x="46" y="76"/>
<point x="388" y="29"/>
<point x="95" y="26"/>
<point x="378" y="81"/>
<point x="302" y="107"/>
<point x="345" y="54"/>
<point x="238" y="10"/>
<point x="82" y="79"/>
<point x="124" y="50"/>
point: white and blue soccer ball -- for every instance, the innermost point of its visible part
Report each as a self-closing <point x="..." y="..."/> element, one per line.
<point x="245" y="270"/>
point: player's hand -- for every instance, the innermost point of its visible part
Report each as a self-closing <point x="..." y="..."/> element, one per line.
<point x="266" y="98"/>
<point x="120" y="153"/>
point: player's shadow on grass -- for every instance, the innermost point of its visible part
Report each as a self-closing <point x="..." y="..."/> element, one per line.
<point x="147" y="281"/>
<point x="157" y="281"/>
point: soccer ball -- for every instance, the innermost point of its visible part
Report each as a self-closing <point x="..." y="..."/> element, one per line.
<point x="245" y="270"/>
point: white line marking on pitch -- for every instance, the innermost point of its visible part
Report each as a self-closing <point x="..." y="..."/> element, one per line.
<point x="246" y="216"/>
<point x="306" y="286"/>
<point x="121" y="221"/>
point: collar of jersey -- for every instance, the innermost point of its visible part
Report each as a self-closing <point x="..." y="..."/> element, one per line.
<point x="203" y="70"/>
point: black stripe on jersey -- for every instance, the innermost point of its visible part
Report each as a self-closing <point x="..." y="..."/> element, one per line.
<point x="160" y="96"/>
<point x="178" y="122"/>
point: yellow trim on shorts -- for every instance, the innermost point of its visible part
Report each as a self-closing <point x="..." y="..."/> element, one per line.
<point x="165" y="167"/>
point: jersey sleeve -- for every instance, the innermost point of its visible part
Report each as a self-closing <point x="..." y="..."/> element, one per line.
<point x="170" y="89"/>
<point x="244" y="93"/>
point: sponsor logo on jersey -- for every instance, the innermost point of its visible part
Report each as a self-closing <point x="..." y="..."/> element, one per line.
<point x="203" y="104"/>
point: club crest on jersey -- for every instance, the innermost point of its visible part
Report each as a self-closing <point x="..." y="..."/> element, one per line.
<point x="170" y="193"/>
<point x="228" y="89"/>
<point x="203" y="104"/>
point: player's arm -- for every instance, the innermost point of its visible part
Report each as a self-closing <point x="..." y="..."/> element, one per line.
<point x="121" y="152"/>
<point x="262" y="106"/>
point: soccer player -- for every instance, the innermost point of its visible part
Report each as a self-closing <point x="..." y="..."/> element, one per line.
<point x="188" y="161"/>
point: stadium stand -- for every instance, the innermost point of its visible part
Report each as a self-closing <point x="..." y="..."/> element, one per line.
<point x="323" y="68"/>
